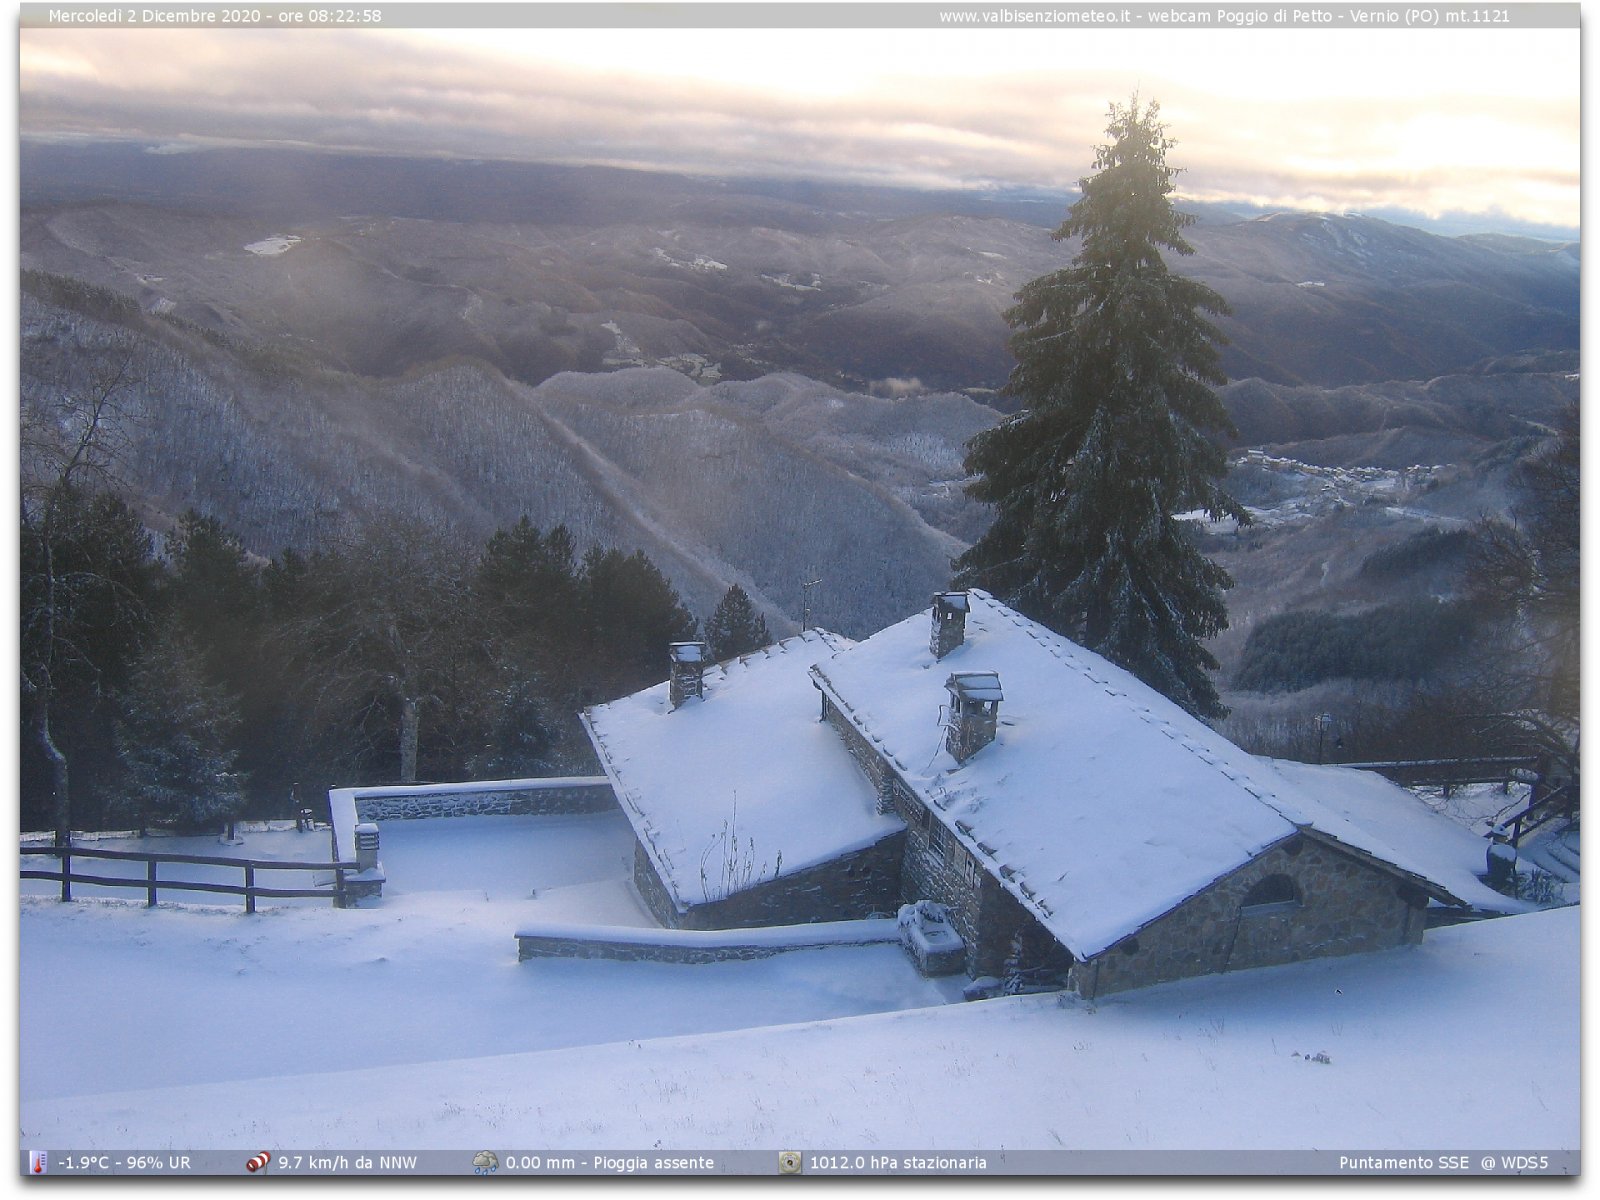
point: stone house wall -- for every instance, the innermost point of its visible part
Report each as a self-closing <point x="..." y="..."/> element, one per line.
<point x="936" y="866"/>
<point x="1342" y="905"/>
<point x="853" y="886"/>
<point x="878" y="772"/>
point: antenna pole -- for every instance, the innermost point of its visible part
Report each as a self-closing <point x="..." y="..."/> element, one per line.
<point x="805" y="604"/>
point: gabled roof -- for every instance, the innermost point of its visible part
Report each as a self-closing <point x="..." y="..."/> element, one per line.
<point x="1100" y="805"/>
<point x="721" y="787"/>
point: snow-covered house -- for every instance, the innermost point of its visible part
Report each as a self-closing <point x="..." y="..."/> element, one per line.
<point x="1066" y="814"/>
<point x="1069" y="815"/>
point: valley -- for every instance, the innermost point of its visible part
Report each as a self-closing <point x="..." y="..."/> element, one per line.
<point x="752" y="385"/>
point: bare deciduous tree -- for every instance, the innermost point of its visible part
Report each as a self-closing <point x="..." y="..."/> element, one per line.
<point x="75" y="582"/>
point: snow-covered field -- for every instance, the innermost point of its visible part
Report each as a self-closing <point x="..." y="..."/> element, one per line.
<point x="207" y="994"/>
<point x="411" y="1024"/>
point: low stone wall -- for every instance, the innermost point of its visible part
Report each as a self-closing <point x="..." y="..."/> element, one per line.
<point x="697" y="946"/>
<point x="520" y="797"/>
<point x="348" y="807"/>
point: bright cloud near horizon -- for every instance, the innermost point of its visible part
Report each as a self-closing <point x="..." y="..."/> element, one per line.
<point x="1444" y="124"/>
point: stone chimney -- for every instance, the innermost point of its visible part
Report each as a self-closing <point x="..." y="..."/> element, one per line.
<point x="949" y="622"/>
<point x="974" y="708"/>
<point x="688" y="664"/>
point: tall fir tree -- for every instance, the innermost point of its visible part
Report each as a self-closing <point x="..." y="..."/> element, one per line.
<point x="736" y="627"/>
<point x="1116" y="361"/>
<point x="176" y="739"/>
<point x="633" y="614"/>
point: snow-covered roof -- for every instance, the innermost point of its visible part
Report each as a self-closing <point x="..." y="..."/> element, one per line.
<point x="719" y="788"/>
<point x="1364" y="810"/>
<point x="1100" y="805"/>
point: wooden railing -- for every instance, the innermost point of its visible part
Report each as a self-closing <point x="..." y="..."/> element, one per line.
<point x="1543" y="807"/>
<point x="151" y="883"/>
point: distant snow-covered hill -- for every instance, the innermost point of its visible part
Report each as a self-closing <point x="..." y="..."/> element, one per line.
<point x="381" y="266"/>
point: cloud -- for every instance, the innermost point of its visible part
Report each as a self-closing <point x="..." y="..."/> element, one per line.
<point x="891" y="119"/>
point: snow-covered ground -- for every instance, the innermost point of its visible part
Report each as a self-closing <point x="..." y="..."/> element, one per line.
<point x="273" y="246"/>
<point x="1419" y="1056"/>
<point x="208" y="994"/>
<point x="411" y="1024"/>
<point x="1548" y="858"/>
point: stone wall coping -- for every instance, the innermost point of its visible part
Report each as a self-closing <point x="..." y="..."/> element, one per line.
<point x="478" y="785"/>
<point x="776" y="937"/>
<point x="342" y="801"/>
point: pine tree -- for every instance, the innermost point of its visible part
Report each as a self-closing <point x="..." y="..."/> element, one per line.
<point x="736" y="627"/>
<point x="175" y="739"/>
<point x="1115" y="366"/>
<point x="634" y="613"/>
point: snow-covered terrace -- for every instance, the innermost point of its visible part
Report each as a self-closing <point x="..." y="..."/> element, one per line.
<point x="116" y="996"/>
<point x="750" y="771"/>
<point x="1101" y="805"/>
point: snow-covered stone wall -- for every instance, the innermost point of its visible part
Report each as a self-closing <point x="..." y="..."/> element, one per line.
<point x="347" y="807"/>
<point x="514" y="797"/>
<point x="696" y="946"/>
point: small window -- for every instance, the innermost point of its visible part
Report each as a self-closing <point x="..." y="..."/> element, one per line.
<point x="938" y="840"/>
<point x="924" y="819"/>
<point x="969" y="871"/>
<point x="1275" y="893"/>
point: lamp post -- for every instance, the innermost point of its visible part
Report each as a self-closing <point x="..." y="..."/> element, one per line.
<point x="1323" y="721"/>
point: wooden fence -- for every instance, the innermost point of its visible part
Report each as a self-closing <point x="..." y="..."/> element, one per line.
<point x="151" y="883"/>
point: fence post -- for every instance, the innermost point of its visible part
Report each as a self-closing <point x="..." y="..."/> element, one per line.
<point x="338" y="887"/>
<point x="249" y="889"/>
<point x="66" y="871"/>
<point x="150" y="884"/>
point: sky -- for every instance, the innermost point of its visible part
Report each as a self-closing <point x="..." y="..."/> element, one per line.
<point x="1442" y="124"/>
<point x="1471" y="124"/>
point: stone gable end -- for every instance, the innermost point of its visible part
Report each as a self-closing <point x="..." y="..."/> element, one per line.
<point x="1341" y="905"/>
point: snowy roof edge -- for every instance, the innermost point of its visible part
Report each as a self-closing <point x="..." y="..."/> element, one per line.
<point x="641" y="831"/>
<point x="1435" y="889"/>
<point x="636" y="818"/>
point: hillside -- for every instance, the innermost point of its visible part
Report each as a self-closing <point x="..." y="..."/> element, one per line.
<point x="758" y="482"/>
<point x="752" y="483"/>
<point x="751" y="382"/>
<point x="378" y="266"/>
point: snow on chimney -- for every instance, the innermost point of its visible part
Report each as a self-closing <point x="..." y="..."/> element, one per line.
<point x="688" y="664"/>
<point x="974" y="708"/>
<point x="949" y="622"/>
